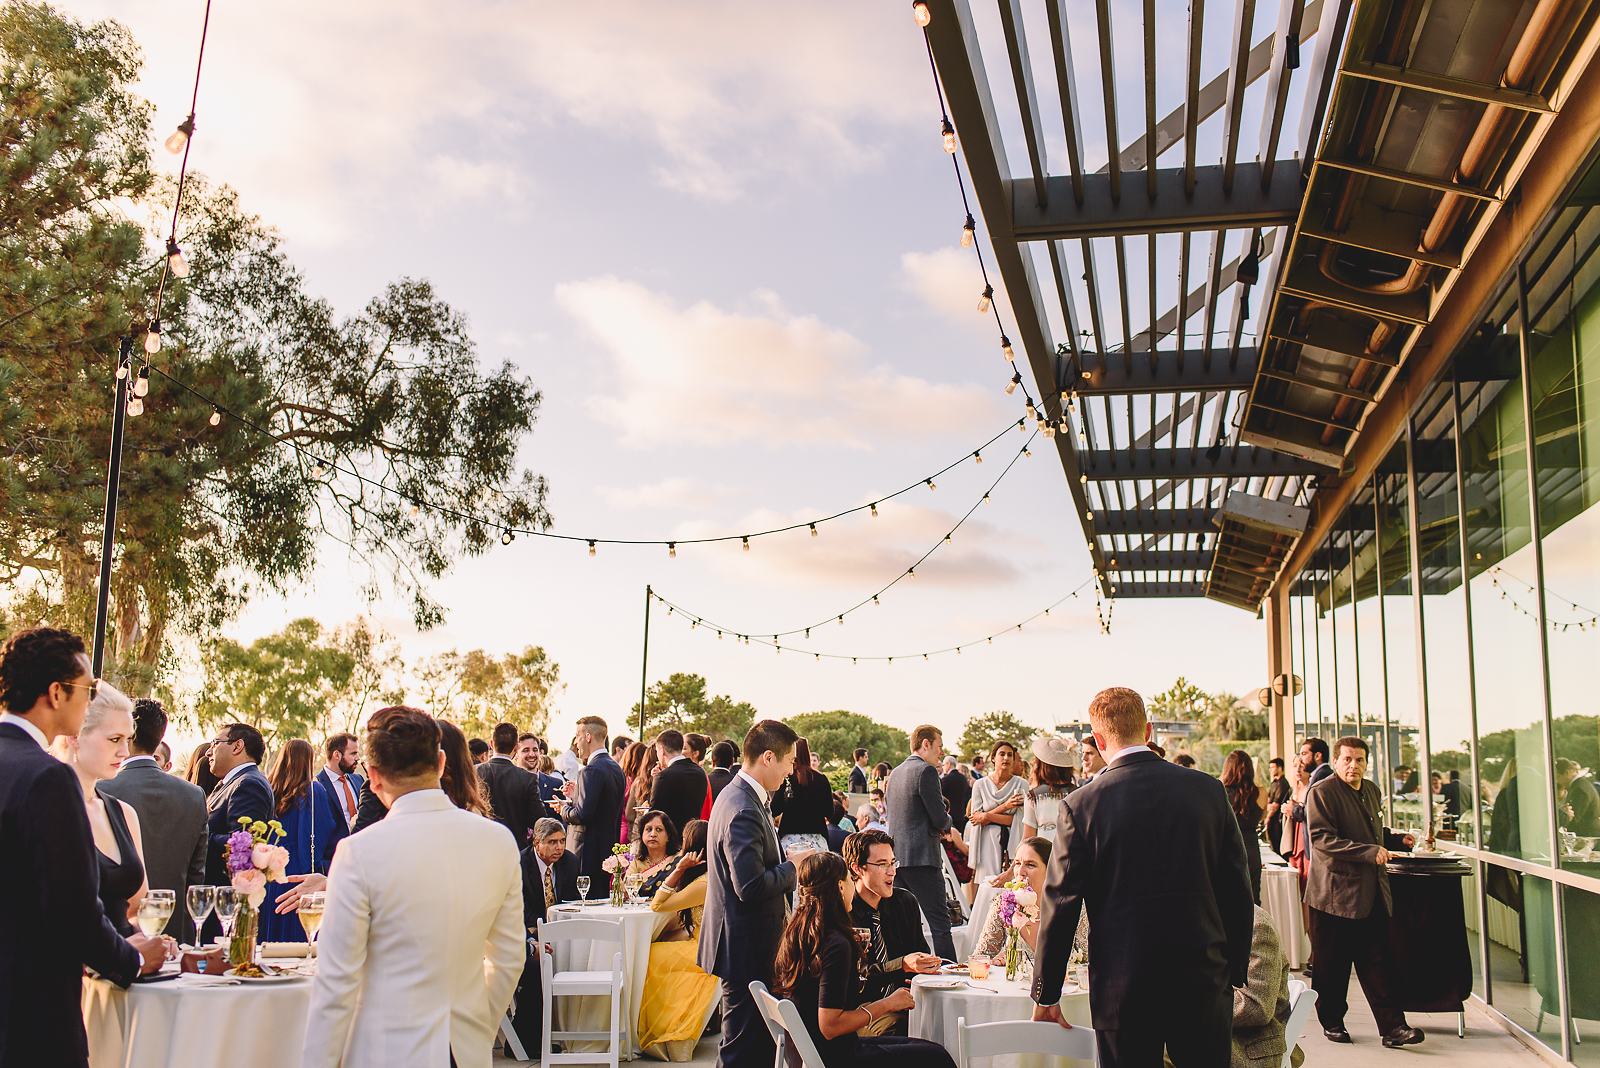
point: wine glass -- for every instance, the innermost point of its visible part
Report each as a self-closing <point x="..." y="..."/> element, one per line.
<point x="199" y="900"/>
<point x="632" y="883"/>
<point x="583" y="888"/>
<point x="227" y="906"/>
<point x="310" y="913"/>
<point x="155" y="910"/>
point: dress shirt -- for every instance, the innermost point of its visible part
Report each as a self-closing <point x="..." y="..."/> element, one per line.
<point x="761" y="791"/>
<point x="235" y="772"/>
<point x="674" y="760"/>
<point x="347" y="800"/>
<point x="28" y="728"/>
<point x="1120" y="753"/>
<point x="140" y="756"/>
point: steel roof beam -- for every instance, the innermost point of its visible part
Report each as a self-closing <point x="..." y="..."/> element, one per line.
<point x="1154" y="521"/>
<point x="1241" y="461"/>
<point x="1443" y="85"/>
<point x="1160" y="372"/>
<point x="1160" y="589"/>
<point x="1210" y="208"/>
<point x="1159" y="560"/>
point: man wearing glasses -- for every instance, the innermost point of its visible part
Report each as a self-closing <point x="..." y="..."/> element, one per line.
<point x="898" y="948"/>
<point x="241" y="791"/>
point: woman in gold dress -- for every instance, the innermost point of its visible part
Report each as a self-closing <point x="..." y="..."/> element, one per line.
<point x="677" y="994"/>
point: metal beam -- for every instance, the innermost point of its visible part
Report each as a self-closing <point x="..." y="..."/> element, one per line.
<point x="1240" y="461"/>
<point x="1154" y="522"/>
<point x="1361" y="395"/>
<point x="1292" y="14"/>
<point x="1027" y="100"/>
<point x="1244" y="17"/>
<point x="1170" y="211"/>
<point x="1304" y="280"/>
<point x="1393" y="233"/>
<point x="1157" y="560"/>
<point x="1443" y="85"/>
<point x="1159" y="589"/>
<point x="1115" y="375"/>
<point x="1421" y="181"/>
<point x="1320" y="76"/>
<point x="1173" y="319"/>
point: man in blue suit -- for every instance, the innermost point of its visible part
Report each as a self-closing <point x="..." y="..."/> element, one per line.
<point x="747" y="886"/>
<point x="598" y="795"/>
<point x="241" y="791"/>
<point x="342" y="787"/>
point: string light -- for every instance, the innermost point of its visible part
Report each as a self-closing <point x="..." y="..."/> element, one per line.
<point x="874" y="509"/>
<point x="948" y="134"/>
<point x="122" y="370"/>
<point x="931" y="486"/>
<point x="135" y="406"/>
<point x="1006" y="349"/>
<point x="672" y="549"/>
<point x="1011" y="386"/>
<point x="969" y="232"/>
<point x="591" y="547"/>
<point x="175" y="261"/>
<point x="507" y="538"/>
<point x="141" y="384"/>
<point x="745" y="543"/>
<point x="986" y="299"/>
<point x="813" y="530"/>
<point x="920" y="12"/>
<point x="178" y="139"/>
<point x="977" y="457"/>
<point x="152" y="337"/>
<point x="216" y="417"/>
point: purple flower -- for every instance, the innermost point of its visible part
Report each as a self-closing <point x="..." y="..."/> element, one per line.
<point x="240" y="846"/>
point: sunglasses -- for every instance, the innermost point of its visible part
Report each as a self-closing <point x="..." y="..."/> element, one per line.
<point x="93" y="686"/>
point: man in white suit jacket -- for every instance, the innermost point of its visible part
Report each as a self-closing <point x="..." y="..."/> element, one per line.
<point x="422" y="940"/>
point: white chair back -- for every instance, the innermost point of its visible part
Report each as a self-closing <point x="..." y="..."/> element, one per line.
<point x="580" y="929"/>
<point x="1302" y="1000"/>
<point x="795" y="1048"/>
<point x="767" y="1005"/>
<point x="1014" y="1037"/>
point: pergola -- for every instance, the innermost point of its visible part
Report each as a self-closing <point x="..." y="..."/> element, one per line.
<point x="1218" y="308"/>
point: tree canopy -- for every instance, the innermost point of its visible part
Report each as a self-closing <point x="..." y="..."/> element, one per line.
<point x="476" y="690"/>
<point x="207" y="514"/>
<point x="983" y="732"/>
<point x="680" y="702"/>
<point x="835" y="736"/>
<point x="1221" y="716"/>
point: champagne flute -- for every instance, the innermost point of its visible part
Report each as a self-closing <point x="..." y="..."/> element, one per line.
<point x="227" y="906"/>
<point x="310" y="913"/>
<point x="583" y="888"/>
<point x="199" y="900"/>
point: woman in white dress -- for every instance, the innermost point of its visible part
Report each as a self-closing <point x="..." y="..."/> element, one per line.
<point x="1052" y="780"/>
<point x="996" y="803"/>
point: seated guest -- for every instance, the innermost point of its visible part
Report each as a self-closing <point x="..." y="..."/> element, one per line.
<point x="306" y="814"/>
<point x="423" y="939"/>
<point x="677" y="993"/>
<point x="99" y="748"/>
<point x="654" y="845"/>
<point x="1261" y="1006"/>
<point x="198" y="770"/>
<point x="898" y="948"/>
<point x="800" y="808"/>
<point x="549" y="875"/>
<point x="1033" y="859"/>
<point x="175" y="859"/>
<point x="817" y="966"/>
<point x="836" y="825"/>
<point x="869" y="819"/>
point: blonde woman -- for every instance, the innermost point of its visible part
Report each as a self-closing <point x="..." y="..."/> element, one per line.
<point x="95" y="754"/>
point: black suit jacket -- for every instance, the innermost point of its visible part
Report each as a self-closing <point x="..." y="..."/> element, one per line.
<point x="680" y="791"/>
<point x="718" y="778"/>
<point x="369" y="808"/>
<point x="858" y="779"/>
<point x="514" y="796"/>
<point x="597" y="811"/>
<point x="566" y="880"/>
<point x="1153" y="851"/>
<point x="54" y="925"/>
<point x="748" y="883"/>
<point x="249" y="794"/>
<point x="341" y="829"/>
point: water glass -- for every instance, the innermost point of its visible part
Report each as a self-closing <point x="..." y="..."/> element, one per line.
<point x="583" y="888"/>
<point x="977" y="967"/>
<point x="227" y="906"/>
<point x="199" y="900"/>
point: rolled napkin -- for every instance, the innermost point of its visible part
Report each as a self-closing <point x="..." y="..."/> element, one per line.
<point x="285" y="949"/>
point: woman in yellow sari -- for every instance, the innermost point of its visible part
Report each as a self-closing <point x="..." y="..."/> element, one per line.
<point x="677" y="994"/>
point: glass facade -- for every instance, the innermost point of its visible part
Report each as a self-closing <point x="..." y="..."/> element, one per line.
<point x="1452" y="618"/>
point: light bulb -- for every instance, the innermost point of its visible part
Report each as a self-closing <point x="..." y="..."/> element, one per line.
<point x="969" y="232"/>
<point x="841" y="621"/>
<point x="1026" y="451"/>
<point x="507" y="537"/>
<point x="1033" y="413"/>
<point x="1039" y="423"/>
<point x="746" y="542"/>
<point x="152" y="337"/>
<point x="920" y="12"/>
<point x="178" y="140"/>
<point x="122" y="371"/>
<point x="136" y="406"/>
<point x="141" y="384"/>
<point x="911" y="572"/>
<point x="1011" y="386"/>
<point x="1049" y="431"/>
<point x="1006" y="350"/>
<point x="875" y="599"/>
<point x="947" y="539"/>
<point x="874" y="507"/>
<point x="672" y="549"/>
<point x="1089" y="516"/>
<point x="949" y="134"/>
<point x="216" y="417"/>
<point x="591" y="548"/>
<point x="813" y="530"/>
<point x="175" y="261"/>
<point x="985" y="299"/>
<point x="931" y="486"/>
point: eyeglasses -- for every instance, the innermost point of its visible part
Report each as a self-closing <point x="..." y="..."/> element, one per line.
<point x="93" y="686"/>
<point x="885" y="864"/>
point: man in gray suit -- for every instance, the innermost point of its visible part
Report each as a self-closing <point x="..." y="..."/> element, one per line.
<point x="748" y="883"/>
<point x="918" y="820"/>
<point x="171" y="811"/>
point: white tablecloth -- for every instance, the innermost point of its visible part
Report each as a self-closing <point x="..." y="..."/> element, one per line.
<point x="188" y="1022"/>
<point x="994" y="1000"/>
<point x="639" y="928"/>
<point x="1280" y="896"/>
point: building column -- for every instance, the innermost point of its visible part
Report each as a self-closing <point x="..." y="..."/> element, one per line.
<point x="1280" y="661"/>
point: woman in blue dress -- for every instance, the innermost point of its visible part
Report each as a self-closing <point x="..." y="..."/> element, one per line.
<point x="307" y="818"/>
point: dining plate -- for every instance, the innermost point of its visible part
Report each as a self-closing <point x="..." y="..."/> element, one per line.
<point x="280" y="977"/>
<point x="951" y="983"/>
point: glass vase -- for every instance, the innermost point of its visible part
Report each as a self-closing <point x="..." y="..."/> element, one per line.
<point x="1013" y="955"/>
<point x="242" y="943"/>
<point x="619" y="893"/>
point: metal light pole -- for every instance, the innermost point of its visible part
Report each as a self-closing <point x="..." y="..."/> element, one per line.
<point x="119" y="416"/>
<point x="644" y="661"/>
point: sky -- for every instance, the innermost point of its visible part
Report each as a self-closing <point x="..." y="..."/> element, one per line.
<point x="722" y="240"/>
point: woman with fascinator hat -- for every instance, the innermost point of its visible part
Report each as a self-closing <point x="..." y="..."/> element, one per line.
<point x="1052" y="780"/>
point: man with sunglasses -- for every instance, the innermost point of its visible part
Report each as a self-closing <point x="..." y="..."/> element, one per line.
<point x="54" y="924"/>
<point x="898" y="949"/>
<point x="242" y="791"/>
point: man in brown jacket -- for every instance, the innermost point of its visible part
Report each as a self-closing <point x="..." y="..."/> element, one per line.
<point x="1348" y="894"/>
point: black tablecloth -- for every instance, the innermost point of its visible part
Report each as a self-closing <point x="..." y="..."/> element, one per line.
<point x="1430" y="965"/>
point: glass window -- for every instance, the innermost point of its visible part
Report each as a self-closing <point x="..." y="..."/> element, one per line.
<point x="1343" y="621"/>
<point x="1373" y="694"/>
<point x="1327" y="657"/>
<point x="1581" y="917"/>
<point x="1522" y="960"/>
<point x="1400" y="634"/>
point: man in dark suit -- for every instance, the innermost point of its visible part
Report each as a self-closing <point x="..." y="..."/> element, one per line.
<point x="549" y="875"/>
<point x="723" y="756"/>
<point x="956" y="786"/>
<point x="858" y="772"/>
<point x="174" y="811"/>
<point x="54" y="924"/>
<point x="680" y="786"/>
<point x="242" y="791"/>
<point x="342" y="787"/>
<point x="1348" y="895"/>
<point x="1147" y="839"/>
<point x="513" y="790"/>
<point x="594" y="813"/>
<point x="918" y="819"/>
<point x="748" y="882"/>
<point x="1580" y="802"/>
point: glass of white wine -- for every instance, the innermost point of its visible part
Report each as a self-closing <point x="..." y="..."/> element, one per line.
<point x="310" y="913"/>
<point x="199" y="900"/>
<point x="583" y="888"/>
<point x="632" y="883"/>
<point x="155" y="910"/>
<point x="227" y="906"/>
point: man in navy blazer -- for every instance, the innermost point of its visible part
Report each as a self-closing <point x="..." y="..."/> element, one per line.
<point x="54" y="923"/>
<point x="748" y="883"/>
<point x="342" y="787"/>
<point x="597" y="799"/>
<point x="241" y="791"/>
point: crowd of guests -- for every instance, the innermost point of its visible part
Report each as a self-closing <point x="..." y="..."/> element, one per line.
<point x="756" y="863"/>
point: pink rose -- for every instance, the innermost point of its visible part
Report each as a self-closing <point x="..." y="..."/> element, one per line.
<point x="1020" y="919"/>
<point x="278" y="864"/>
<point x="1026" y="899"/>
<point x="261" y="856"/>
<point x="253" y="884"/>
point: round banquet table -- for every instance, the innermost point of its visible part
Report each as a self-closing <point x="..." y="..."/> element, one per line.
<point x="196" y="1021"/>
<point x="1280" y="896"/>
<point x="939" y="1005"/>
<point x="639" y="928"/>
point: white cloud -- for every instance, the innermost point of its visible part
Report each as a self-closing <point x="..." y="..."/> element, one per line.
<point x="465" y="179"/>
<point x="948" y="282"/>
<point x="709" y="375"/>
<point x="676" y="492"/>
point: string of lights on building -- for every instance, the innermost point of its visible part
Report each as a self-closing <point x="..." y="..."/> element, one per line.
<point x="1590" y="620"/>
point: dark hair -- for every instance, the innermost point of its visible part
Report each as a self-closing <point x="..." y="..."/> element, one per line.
<point x="505" y="738"/>
<point x="337" y="743"/>
<point x="255" y="746"/>
<point x="666" y="825"/>
<point x="838" y="811"/>
<point x="1054" y="776"/>
<point x="291" y="774"/>
<point x="859" y="753"/>
<point x="858" y="847"/>
<point x="696" y="744"/>
<point x="1088" y="742"/>
<point x="769" y="736"/>
<point x="818" y="912"/>
<point x="995" y="748"/>
<point x="1350" y="741"/>
<point x="149" y="725"/>
<point x="33" y="660"/>
<point x="460" y="780"/>
<point x="802" y="763"/>
<point x="527" y="736"/>
<point x="1276" y="760"/>
<point x="1319" y="748"/>
<point x="671" y="741"/>
<point x="924" y="733"/>
<point x="1184" y="760"/>
<point x="199" y="770"/>
<point x="1239" y="780"/>
<point x="723" y="754"/>
<point x="621" y="741"/>
<point x="882" y="770"/>
<point x="403" y="742"/>
<point x="1158" y="750"/>
<point x="695" y="833"/>
<point x="477" y="747"/>
<point x="1039" y="845"/>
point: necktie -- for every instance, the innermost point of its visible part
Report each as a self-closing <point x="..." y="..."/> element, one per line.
<point x="349" y="795"/>
<point x="549" y="889"/>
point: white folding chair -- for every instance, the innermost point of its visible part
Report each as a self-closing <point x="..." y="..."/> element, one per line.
<point x="767" y="1005"/>
<point x="1302" y="999"/>
<point x="795" y="1048"/>
<point x="580" y="983"/>
<point x="1013" y="1037"/>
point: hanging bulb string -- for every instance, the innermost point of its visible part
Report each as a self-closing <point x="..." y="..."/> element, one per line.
<point x="871" y="598"/>
<point x="183" y="167"/>
<point x="973" y="455"/>
<point x="1497" y="572"/>
<point x="773" y="642"/>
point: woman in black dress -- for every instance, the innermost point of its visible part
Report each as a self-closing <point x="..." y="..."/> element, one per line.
<point x="802" y="806"/>
<point x="1246" y="800"/>
<point x="818" y="968"/>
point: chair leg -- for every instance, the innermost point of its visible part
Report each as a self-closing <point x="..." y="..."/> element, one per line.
<point x="513" y="1043"/>
<point x="616" y="1021"/>
<point x="1461" y="1025"/>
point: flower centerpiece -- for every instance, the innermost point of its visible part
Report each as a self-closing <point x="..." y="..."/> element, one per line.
<point x="617" y="864"/>
<point x="254" y="859"/>
<point x="1019" y="906"/>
